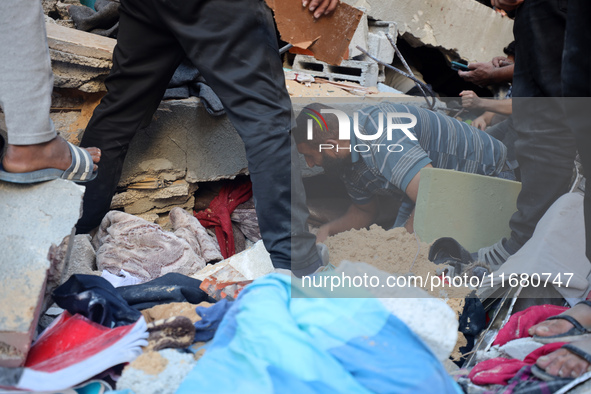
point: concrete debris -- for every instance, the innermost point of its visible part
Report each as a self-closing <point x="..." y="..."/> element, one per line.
<point x="415" y="307"/>
<point x="80" y="60"/>
<point x="39" y="215"/>
<point x="156" y="372"/>
<point x="250" y="264"/>
<point x="463" y="28"/>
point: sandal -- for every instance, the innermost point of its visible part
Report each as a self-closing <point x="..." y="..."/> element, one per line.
<point x="578" y="332"/>
<point x="81" y="170"/>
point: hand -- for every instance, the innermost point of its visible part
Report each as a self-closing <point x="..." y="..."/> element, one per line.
<point x="320" y="7"/>
<point x="480" y="123"/>
<point x="507" y="5"/>
<point x="498" y="60"/>
<point x="470" y="99"/>
<point x="480" y="73"/>
<point x="322" y="234"/>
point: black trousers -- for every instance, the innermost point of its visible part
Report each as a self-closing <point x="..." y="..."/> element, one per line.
<point x="545" y="146"/>
<point x="576" y="85"/>
<point x="234" y="46"/>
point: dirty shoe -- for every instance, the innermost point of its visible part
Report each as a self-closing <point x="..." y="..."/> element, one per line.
<point x="493" y="256"/>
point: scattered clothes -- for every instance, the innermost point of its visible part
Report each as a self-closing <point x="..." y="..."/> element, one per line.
<point x="123" y="279"/>
<point x="245" y="218"/>
<point x="218" y="213"/>
<point x="96" y="299"/>
<point x="72" y="350"/>
<point x="187" y="81"/>
<point x="172" y="309"/>
<point x="104" y="21"/>
<point x="211" y="318"/>
<point x="495" y="371"/>
<point x="500" y="370"/>
<point x="225" y="283"/>
<point x="449" y="251"/>
<point x="273" y="326"/>
<point x="169" y="288"/>
<point x="176" y="332"/>
<point x="520" y="322"/>
<point x="525" y="383"/>
<point x="472" y="322"/>
<point x="126" y="242"/>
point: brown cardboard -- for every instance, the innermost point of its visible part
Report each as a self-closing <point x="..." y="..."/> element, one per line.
<point x="330" y="35"/>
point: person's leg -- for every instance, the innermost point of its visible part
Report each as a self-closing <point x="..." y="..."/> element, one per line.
<point x="238" y="56"/>
<point x="144" y="60"/>
<point x="576" y="85"/>
<point x="26" y="84"/>
<point x="545" y="148"/>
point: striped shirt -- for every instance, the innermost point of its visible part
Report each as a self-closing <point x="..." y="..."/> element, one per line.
<point x="442" y="141"/>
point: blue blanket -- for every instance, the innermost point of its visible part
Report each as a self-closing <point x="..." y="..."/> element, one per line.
<point x="273" y="341"/>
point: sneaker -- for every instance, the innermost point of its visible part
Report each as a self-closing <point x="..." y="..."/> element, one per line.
<point x="494" y="256"/>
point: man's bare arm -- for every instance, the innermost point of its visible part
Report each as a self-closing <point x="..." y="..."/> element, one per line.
<point x="356" y="217"/>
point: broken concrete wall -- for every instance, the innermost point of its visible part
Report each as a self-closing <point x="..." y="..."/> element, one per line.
<point x="463" y="27"/>
<point x="183" y="146"/>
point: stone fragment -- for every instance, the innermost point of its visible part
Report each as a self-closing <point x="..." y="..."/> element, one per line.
<point x="35" y="217"/>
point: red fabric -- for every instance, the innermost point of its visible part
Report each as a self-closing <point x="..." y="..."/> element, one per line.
<point x="218" y="213"/>
<point x="495" y="371"/>
<point x="520" y="322"/>
<point x="500" y="370"/>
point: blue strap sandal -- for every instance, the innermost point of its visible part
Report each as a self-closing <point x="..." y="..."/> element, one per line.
<point x="81" y="170"/>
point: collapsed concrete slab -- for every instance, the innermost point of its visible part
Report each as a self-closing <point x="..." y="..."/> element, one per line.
<point x="460" y="27"/>
<point x="80" y="60"/>
<point x="34" y="218"/>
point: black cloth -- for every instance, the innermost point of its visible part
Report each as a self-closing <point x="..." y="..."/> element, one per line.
<point x="545" y="147"/>
<point x="172" y="287"/>
<point x="576" y="82"/>
<point x="472" y="321"/>
<point x="186" y="82"/>
<point x="95" y="298"/>
<point x="447" y="250"/>
<point x="233" y="44"/>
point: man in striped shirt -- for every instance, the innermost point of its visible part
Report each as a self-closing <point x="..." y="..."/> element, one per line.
<point x="389" y="163"/>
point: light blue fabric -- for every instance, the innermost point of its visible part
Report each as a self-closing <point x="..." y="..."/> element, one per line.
<point x="271" y="342"/>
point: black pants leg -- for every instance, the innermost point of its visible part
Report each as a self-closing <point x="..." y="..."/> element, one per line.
<point x="545" y="147"/>
<point x="576" y="85"/>
<point x="233" y="44"/>
<point x="144" y="60"/>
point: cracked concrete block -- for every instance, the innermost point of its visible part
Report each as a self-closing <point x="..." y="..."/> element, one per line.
<point x="462" y="27"/>
<point x="359" y="38"/>
<point x="184" y="141"/>
<point x="366" y="73"/>
<point x="155" y="201"/>
<point x="35" y="217"/>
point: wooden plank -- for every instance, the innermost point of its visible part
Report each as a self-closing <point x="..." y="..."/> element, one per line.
<point x="327" y="37"/>
<point x="79" y="42"/>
